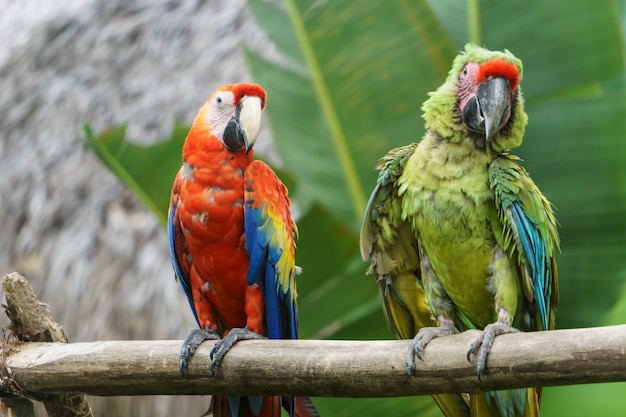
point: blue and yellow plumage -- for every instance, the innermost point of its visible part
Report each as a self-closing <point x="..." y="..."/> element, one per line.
<point x="270" y="243"/>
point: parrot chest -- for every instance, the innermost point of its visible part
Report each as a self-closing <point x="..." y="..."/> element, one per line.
<point x="212" y="217"/>
<point x="449" y="202"/>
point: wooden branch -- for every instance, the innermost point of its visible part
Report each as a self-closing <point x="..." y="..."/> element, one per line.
<point x="31" y="321"/>
<point x="323" y="368"/>
<point x="54" y="372"/>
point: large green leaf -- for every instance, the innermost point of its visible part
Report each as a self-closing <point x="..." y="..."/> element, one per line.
<point x="329" y="301"/>
<point x="332" y="122"/>
<point x="147" y="170"/>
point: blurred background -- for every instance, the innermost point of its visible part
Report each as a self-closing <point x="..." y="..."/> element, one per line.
<point x="344" y="85"/>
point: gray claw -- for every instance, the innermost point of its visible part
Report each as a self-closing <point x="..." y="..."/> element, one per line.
<point x="191" y="343"/>
<point x="483" y="344"/>
<point x="423" y="337"/>
<point x="224" y="345"/>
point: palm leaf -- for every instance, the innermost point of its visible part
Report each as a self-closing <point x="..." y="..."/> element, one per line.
<point x="147" y="170"/>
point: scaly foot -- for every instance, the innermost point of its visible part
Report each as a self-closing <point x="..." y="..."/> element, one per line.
<point x="191" y="343"/>
<point x="483" y="343"/>
<point x="224" y="345"/>
<point x="423" y="337"/>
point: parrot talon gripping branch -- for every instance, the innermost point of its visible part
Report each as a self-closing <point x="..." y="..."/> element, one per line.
<point x="191" y="343"/>
<point x="232" y="242"/>
<point x="458" y="235"/>
<point x="220" y="348"/>
<point x="482" y="344"/>
<point x="425" y="335"/>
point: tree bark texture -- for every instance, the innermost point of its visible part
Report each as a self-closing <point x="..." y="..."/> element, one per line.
<point x="31" y="321"/>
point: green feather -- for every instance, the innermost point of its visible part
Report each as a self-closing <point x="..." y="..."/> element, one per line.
<point x="456" y="228"/>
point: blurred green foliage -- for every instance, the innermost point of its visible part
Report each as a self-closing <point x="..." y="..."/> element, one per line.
<point x="356" y="77"/>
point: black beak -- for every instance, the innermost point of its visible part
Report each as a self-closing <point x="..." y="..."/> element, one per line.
<point x="234" y="136"/>
<point x="484" y="112"/>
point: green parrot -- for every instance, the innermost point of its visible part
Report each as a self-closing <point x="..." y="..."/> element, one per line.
<point x="458" y="235"/>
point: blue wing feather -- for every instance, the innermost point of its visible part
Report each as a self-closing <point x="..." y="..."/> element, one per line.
<point x="181" y="275"/>
<point x="535" y="251"/>
<point x="280" y="310"/>
<point x="531" y="229"/>
<point x="272" y="303"/>
<point x="264" y="240"/>
<point x="256" y="246"/>
<point x="265" y="252"/>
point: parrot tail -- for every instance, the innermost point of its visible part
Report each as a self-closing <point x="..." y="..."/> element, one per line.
<point x="304" y="407"/>
<point x="522" y="402"/>
<point x="234" y="406"/>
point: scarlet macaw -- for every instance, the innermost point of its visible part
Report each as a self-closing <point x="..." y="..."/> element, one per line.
<point x="232" y="241"/>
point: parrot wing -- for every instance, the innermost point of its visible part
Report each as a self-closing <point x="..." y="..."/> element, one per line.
<point x="391" y="246"/>
<point x="390" y="243"/>
<point x="178" y="247"/>
<point x="530" y="234"/>
<point x="269" y="235"/>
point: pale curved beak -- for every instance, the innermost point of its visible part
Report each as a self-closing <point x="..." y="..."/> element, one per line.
<point x="250" y="119"/>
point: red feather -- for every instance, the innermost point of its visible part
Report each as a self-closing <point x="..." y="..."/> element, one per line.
<point x="219" y="256"/>
<point x="243" y="89"/>
<point x="499" y="68"/>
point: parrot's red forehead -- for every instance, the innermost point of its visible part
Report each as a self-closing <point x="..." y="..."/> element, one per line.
<point x="245" y="89"/>
<point x="499" y="68"/>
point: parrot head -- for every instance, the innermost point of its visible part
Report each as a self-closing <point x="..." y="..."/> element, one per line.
<point x="233" y="115"/>
<point x="485" y="92"/>
<point x="481" y="100"/>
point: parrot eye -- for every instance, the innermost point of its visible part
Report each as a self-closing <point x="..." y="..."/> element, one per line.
<point x="218" y="99"/>
<point x="465" y="72"/>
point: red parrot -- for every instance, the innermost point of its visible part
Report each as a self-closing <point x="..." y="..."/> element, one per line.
<point x="232" y="241"/>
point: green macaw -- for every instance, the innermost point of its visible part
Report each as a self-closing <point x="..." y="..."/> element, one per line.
<point x="458" y="235"/>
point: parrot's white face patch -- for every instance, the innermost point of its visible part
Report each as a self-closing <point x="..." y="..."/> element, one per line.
<point x="221" y="109"/>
